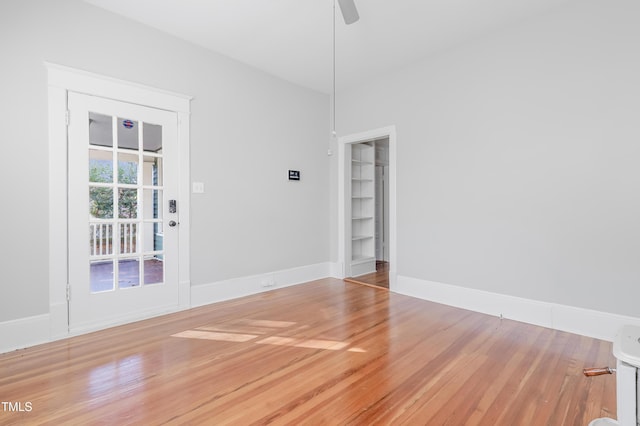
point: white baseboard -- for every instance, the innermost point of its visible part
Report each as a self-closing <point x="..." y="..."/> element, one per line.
<point x="24" y="332"/>
<point x="244" y="286"/>
<point x="586" y="322"/>
<point x="336" y="270"/>
<point x="122" y="319"/>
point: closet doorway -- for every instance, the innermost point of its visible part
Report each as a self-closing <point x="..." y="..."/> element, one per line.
<point x="368" y="210"/>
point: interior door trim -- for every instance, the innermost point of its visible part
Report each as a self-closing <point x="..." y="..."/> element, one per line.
<point x="62" y="80"/>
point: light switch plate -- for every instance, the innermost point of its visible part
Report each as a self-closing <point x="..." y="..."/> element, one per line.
<point x="198" y="187"/>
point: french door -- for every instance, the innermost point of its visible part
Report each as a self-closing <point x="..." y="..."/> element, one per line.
<point x="123" y="212"/>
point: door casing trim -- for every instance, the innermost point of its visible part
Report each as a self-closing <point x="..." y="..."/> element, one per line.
<point x="62" y="80"/>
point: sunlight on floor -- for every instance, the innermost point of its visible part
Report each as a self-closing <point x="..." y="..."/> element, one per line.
<point x="331" y="345"/>
<point x="246" y="330"/>
<point x="212" y="335"/>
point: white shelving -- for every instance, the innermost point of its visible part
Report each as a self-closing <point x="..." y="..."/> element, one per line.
<point x="363" y="259"/>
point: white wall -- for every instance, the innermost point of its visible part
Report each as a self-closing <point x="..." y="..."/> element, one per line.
<point x="247" y="130"/>
<point x="519" y="158"/>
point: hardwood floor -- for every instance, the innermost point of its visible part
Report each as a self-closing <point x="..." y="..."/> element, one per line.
<point x="326" y="352"/>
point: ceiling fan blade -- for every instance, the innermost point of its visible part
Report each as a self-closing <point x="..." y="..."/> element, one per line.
<point x="349" y="11"/>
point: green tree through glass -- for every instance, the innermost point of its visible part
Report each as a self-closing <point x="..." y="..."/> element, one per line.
<point x="101" y="199"/>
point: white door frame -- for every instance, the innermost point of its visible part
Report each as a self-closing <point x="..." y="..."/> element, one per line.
<point x="343" y="239"/>
<point x="62" y="80"/>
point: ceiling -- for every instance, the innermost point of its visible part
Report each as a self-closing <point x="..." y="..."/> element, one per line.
<point x="292" y="39"/>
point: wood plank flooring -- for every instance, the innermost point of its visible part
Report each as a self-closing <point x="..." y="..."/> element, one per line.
<point x="326" y="352"/>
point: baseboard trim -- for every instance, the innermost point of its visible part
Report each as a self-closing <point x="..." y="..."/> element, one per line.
<point x="219" y="291"/>
<point x="38" y="329"/>
<point x="336" y="270"/>
<point x="24" y="332"/>
<point x="121" y="320"/>
<point x="586" y="322"/>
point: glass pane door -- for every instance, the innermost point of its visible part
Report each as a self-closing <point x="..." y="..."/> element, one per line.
<point x="125" y="199"/>
<point x="122" y="175"/>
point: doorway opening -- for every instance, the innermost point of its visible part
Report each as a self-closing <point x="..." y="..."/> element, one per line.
<point x="370" y="213"/>
<point x="367" y="210"/>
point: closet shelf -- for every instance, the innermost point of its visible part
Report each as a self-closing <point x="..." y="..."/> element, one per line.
<point x="362" y="208"/>
<point x="361" y="259"/>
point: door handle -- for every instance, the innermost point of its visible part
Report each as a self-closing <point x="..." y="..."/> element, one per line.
<point x="172" y="223"/>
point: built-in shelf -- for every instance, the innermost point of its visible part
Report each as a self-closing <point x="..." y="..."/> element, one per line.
<point x="362" y="196"/>
<point x="364" y="163"/>
<point x="362" y="259"/>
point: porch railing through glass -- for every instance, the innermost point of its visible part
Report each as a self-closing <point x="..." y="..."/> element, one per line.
<point x="101" y="238"/>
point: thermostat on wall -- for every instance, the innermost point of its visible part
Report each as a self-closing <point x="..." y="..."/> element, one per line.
<point x="294" y="174"/>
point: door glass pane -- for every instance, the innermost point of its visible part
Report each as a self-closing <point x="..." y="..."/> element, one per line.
<point x="152" y="204"/>
<point x="153" y="239"/>
<point x="100" y="129"/>
<point x="101" y="275"/>
<point x="128" y="273"/>
<point x="153" y="271"/>
<point x="128" y="238"/>
<point x="100" y="166"/>
<point x="127" y="168"/>
<point x="100" y="239"/>
<point x="152" y="138"/>
<point x="124" y="251"/>
<point x="152" y="171"/>
<point x="149" y="238"/>
<point x="127" y="203"/>
<point x="101" y="202"/>
<point x="153" y="229"/>
<point x="127" y="134"/>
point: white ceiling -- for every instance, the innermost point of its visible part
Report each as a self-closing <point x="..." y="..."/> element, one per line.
<point x="292" y="39"/>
